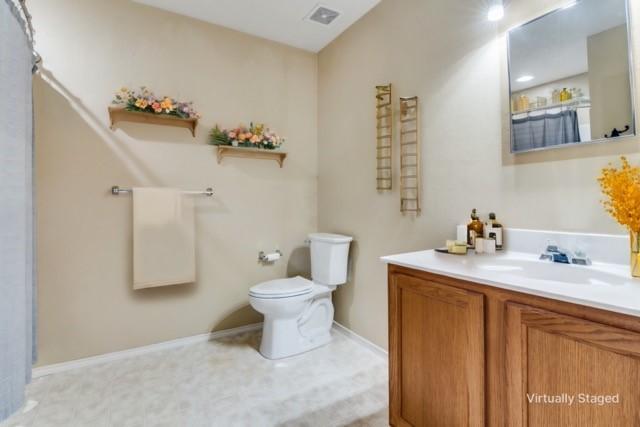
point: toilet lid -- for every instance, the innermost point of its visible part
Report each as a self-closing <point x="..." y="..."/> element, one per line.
<point x="330" y="238"/>
<point x="282" y="288"/>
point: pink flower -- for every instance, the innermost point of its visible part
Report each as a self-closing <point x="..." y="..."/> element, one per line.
<point x="156" y="107"/>
<point x="232" y="135"/>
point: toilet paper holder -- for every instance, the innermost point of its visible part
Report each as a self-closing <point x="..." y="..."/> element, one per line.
<point x="269" y="258"/>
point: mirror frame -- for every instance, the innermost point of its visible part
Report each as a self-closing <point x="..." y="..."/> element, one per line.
<point x="632" y="85"/>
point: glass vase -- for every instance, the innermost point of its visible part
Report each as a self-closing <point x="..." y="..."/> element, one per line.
<point x="634" y="239"/>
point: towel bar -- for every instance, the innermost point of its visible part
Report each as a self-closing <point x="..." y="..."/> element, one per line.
<point x="116" y="191"/>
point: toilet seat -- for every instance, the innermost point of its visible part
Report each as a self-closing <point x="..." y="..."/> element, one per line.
<point x="282" y="288"/>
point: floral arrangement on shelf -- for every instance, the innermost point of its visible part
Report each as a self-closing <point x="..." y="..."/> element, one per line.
<point x="621" y="187"/>
<point x="145" y="101"/>
<point x="255" y="136"/>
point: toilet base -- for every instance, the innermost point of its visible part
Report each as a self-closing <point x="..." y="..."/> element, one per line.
<point x="296" y="324"/>
<point x="272" y="348"/>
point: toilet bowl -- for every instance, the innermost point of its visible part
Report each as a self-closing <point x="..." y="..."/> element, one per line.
<point x="298" y="313"/>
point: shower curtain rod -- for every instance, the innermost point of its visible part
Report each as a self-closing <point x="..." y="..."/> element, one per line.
<point x="22" y="4"/>
<point x="27" y="18"/>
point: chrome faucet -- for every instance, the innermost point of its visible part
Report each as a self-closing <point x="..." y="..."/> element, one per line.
<point x="555" y="253"/>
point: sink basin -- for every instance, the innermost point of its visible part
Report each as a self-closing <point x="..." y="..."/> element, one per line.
<point x="534" y="269"/>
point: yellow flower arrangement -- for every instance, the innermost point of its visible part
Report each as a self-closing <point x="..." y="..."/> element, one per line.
<point x="622" y="189"/>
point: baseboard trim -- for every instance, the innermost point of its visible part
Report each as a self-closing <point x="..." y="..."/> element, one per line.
<point x="137" y="351"/>
<point x="55" y="368"/>
<point x="361" y="340"/>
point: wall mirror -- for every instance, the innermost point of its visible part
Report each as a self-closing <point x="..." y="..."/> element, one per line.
<point x="570" y="77"/>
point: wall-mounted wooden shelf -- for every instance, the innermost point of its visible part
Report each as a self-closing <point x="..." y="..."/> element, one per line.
<point x="250" y="153"/>
<point x="120" y="114"/>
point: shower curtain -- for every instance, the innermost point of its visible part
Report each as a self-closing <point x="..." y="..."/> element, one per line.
<point x="545" y="130"/>
<point x="17" y="278"/>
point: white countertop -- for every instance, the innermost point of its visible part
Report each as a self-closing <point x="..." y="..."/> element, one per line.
<point x="601" y="285"/>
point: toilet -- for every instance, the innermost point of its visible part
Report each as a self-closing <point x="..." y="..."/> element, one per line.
<point x="298" y="313"/>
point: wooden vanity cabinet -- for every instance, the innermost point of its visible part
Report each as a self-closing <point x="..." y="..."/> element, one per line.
<point x="443" y="384"/>
<point x="464" y="354"/>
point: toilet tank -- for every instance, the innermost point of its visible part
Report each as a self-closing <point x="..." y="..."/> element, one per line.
<point x="329" y="257"/>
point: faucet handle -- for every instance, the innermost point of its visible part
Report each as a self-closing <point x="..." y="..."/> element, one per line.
<point x="580" y="257"/>
<point x="546" y="257"/>
<point x="552" y="247"/>
<point x="548" y="251"/>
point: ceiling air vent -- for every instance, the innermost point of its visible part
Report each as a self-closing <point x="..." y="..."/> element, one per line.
<point x="322" y="15"/>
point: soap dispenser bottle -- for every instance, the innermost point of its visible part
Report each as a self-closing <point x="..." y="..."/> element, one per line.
<point x="494" y="230"/>
<point x="475" y="228"/>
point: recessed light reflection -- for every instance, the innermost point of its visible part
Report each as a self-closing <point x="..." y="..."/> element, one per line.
<point x="523" y="79"/>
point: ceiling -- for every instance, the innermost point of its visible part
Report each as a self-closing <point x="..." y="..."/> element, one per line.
<point x="282" y="21"/>
<point x="555" y="46"/>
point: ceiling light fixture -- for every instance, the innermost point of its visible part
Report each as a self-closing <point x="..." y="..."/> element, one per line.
<point x="496" y="11"/>
<point x="525" y="78"/>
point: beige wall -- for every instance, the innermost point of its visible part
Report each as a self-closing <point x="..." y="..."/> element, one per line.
<point x="609" y="81"/>
<point x="447" y="53"/>
<point x="90" y="49"/>
<point x="444" y="51"/>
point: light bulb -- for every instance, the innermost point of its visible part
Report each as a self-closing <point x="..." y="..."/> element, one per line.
<point x="496" y="12"/>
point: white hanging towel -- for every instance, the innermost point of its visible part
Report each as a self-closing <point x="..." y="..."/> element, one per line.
<point x="163" y="238"/>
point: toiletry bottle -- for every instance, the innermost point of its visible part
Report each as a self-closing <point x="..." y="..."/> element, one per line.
<point x="494" y="230"/>
<point x="565" y="95"/>
<point x="461" y="233"/>
<point x="475" y="228"/>
<point x="555" y="96"/>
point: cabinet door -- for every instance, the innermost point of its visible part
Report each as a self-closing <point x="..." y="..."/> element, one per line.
<point x="436" y="341"/>
<point x="561" y="369"/>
